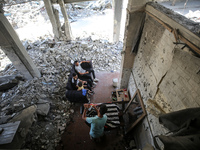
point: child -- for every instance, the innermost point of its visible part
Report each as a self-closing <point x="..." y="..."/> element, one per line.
<point x="81" y="87"/>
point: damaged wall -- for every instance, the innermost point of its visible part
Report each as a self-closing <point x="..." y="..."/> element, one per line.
<point x="167" y="76"/>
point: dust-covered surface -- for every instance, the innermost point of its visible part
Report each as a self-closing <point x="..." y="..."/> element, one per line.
<point x="194" y="27"/>
<point x="189" y="9"/>
<point x="94" y="18"/>
<point x="30" y="20"/>
<point x="54" y="64"/>
<point x="54" y="60"/>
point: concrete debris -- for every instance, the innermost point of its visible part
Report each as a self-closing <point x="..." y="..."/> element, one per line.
<point x="27" y="45"/>
<point x="21" y="15"/>
<point x="43" y="109"/>
<point x="193" y="15"/>
<point x="100" y="5"/>
<point x="8" y="82"/>
<point x="86" y="9"/>
<point x="48" y="91"/>
<point x="27" y="117"/>
<point x="46" y="95"/>
<point x="188" y="24"/>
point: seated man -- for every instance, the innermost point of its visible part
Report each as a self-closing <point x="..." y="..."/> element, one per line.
<point x="98" y="122"/>
<point x="75" y="80"/>
<point x="85" y="73"/>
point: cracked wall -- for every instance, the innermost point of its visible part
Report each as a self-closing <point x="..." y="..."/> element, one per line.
<point x="167" y="76"/>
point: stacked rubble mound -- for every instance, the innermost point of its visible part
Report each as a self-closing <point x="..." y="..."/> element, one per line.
<point x="47" y="93"/>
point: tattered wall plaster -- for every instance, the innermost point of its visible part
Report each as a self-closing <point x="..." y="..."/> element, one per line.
<point x="181" y="85"/>
<point x="165" y="74"/>
<point x="154" y="57"/>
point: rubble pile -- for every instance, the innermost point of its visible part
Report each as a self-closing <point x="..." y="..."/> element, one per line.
<point x="54" y="60"/>
<point x="104" y="55"/>
<point x="193" y="15"/>
<point x="80" y="10"/>
<point x="21" y="15"/>
<point x="45" y="96"/>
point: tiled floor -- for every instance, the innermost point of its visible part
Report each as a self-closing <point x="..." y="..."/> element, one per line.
<point x="76" y="136"/>
<point x="104" y="87"/>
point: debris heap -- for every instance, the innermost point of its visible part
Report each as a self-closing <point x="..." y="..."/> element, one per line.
<point x="47" y="93"/>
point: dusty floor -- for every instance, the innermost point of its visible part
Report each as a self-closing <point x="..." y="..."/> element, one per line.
<point x="76" y="136"/>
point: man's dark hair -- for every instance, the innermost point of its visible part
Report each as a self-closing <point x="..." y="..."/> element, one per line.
<point x="74" y="74"/>
<point x="103" y="109"/>
<point x="80" y="84"/>
<point x="75" y="61"/>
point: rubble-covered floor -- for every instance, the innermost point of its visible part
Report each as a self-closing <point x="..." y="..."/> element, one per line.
<point x="189" y="9"/>
<point x="54" y="64"/>
<point x="54" y="61"/>
<point x="76" y="135"/>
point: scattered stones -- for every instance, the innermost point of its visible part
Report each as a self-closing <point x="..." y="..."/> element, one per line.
<point x="7" y="82"/>
<point x="48" y="91"/>
<point x="54" y="60"/>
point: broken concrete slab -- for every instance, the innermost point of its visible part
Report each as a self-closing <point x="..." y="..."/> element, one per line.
<point x="27" y="117"/>
<point x="8" y="82"/>
<point x="43" y="107"/>
<point x="55" y="65"/>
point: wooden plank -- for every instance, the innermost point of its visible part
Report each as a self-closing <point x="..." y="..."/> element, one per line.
<point x="9" y="131"/>
<point x="196" y="49"/>
<point x="161" y="22"/>
<point x="187" y="34"/>
<point x="137" y="93"/>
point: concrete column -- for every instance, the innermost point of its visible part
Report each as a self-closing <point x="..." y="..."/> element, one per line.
<point x="135" y="18"/>
<point x="13" y="48"/>
<point x="51" y="13"/>
<point x="117" y="5"/>
<point x="68" y="33"/>
<point x="56" y="14"/>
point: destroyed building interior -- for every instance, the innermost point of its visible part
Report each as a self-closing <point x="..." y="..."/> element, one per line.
<point x="147" y="51"/>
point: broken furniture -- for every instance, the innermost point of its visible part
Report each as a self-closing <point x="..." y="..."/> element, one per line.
<point x="134" y="112"/>
<point x="72" y="94"/>
<point x="120" y="96"/>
